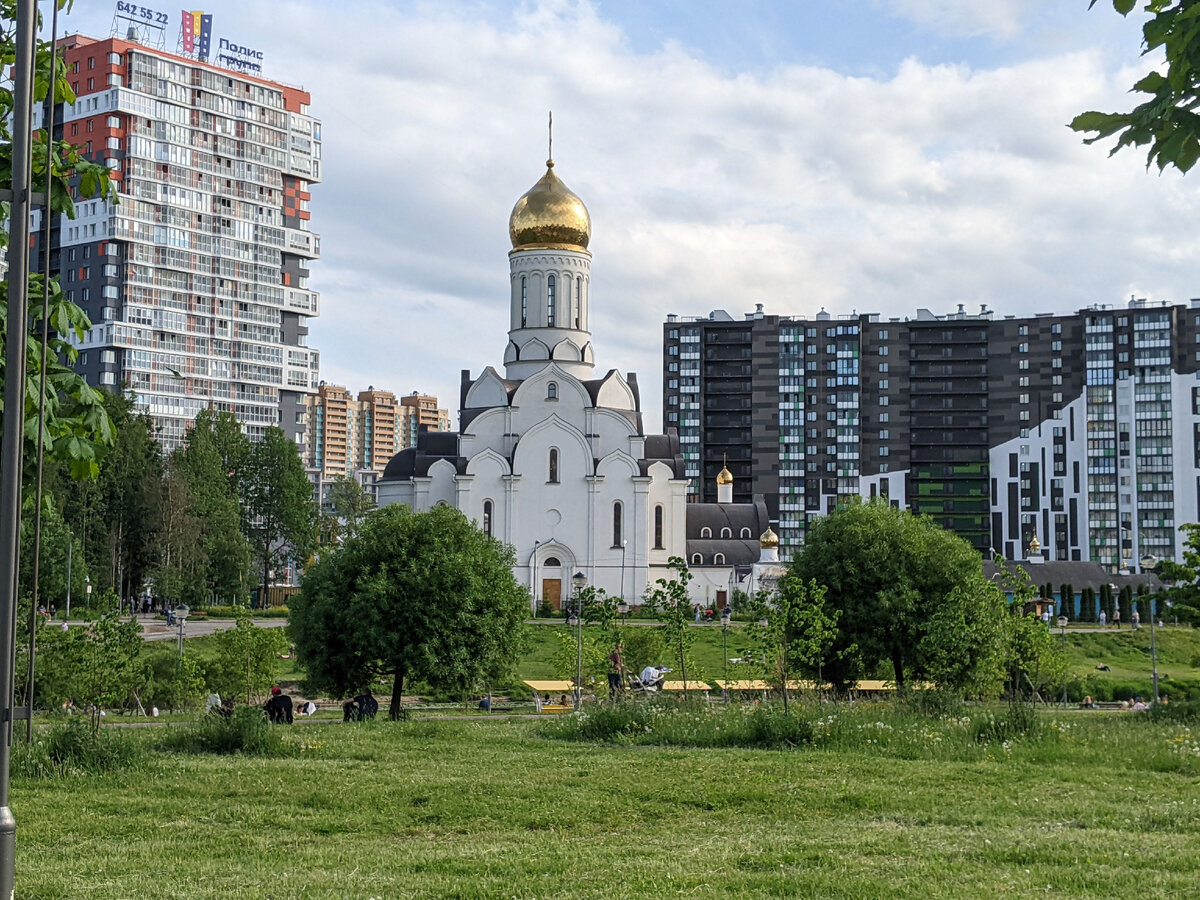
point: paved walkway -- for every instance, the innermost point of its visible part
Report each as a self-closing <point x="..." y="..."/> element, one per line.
<point x="156" y="629"/>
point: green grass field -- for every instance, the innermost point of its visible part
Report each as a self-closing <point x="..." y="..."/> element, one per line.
<point x="1107" y="806"/>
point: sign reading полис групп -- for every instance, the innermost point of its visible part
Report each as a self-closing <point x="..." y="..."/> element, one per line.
<point x="237" y="56"/>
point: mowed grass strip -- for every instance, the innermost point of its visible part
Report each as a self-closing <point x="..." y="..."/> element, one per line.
<point x="495" y="809"/>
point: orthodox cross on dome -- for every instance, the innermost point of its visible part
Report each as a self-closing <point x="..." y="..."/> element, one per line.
<point x="550" y="142"/>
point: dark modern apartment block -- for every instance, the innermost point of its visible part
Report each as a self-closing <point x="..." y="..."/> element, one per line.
<point x="1080" y="429"/>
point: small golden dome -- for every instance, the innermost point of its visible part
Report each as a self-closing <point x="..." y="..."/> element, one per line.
<point x="549" y="215"/>
<point x="724" y="476"/>
<point x="769" y="539"/>
<point x="1034" y="544"/>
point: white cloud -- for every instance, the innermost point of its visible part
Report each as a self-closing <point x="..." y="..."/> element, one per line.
<point x="799" y="188"/>
<point x="1001" y="19"/>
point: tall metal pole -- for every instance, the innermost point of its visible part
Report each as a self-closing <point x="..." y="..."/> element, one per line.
<point x="70" y="547"/>
<point x="578" y="650"/>
<point x="11" y="455"/>
<point x="1153" y="651"/>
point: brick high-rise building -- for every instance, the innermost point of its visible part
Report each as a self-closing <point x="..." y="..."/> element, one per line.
<point x="196" y="282"/>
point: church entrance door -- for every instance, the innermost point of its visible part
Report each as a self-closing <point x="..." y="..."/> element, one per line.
<point x="552" y="592"/>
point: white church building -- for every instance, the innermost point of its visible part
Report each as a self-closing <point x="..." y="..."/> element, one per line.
<point x="551" y="457"/>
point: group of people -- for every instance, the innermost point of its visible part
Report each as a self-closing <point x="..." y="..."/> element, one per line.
<point x="360" y="708"/>
<point x="651" y="677"/>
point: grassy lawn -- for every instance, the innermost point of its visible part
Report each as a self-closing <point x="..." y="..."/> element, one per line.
<point x="1106" y="808"/>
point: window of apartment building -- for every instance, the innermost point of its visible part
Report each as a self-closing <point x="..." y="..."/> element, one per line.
<point x="1022" y="330"/>
<point x="1122" y="321"/>
<point x="1056" y="346"/>
<point x="884" y="451"/>
<point x="883" y="367"/>
<point x="883" y="417"/>
<point x="1022" y="348"/>
<point x="1024" y="416"/>
<point x="812" y="332"/>
<point x="673" y="350"/>
<point x="115" y="80"/>
<point x="883" y="335"/>
<point x="811" y="415"/>
<point x="113" y="143"/>
<point x="114" y="59"/>
<point x="1023" y="381"/>
<point x="883" y="351"/>
<point x="1022" y="364"/>
<point x="1056" y="328"/>
<point x="1056" y="397"/>
<point x="550" y="288"/>
<point x="673" y="334"/>
<point x="884" y="434"/>
<point x="1024" y="398"/>
<point x="1056" y="363"/>
<point x="883" y="384"/>
<point x="883" y="401"/>
<point x="1056" y="379"/>
<point x="91" y="87"/>
<point x="673" y="367"/>
<point x="74" y="129"/>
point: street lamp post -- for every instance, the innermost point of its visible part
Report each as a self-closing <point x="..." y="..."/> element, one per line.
<point x="576" y="620"/>
<point x="70" y="547"/>
<point x="622" y="608"/>
<point x="181" y="614"/>
<point x="1153" y="652"/>
<point x="623" y="545"/>
<point x="533" y="586"/>
<point x="725" y="646"/>
<point x="1062" y="635"/>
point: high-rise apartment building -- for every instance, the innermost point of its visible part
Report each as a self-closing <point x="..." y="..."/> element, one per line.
<point x="1081" y="429"/>
<point x="197" y="280"/>
<point x="359" y="435"/>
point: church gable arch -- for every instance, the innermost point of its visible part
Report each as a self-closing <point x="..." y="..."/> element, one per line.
<point x="488" y="390"/>
<point x="614" y="393"/>
<point x="567" y="349"/>
<point x="618" y="464"/>
<point x="531" y="455"/>
<point x="534" y="349"/>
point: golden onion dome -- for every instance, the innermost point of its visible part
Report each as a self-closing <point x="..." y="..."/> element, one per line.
<point x="769" y="539"/>
<point x="1035" y="545"/>
<point x="724" y="476"/>
<point x="550" y="216"/>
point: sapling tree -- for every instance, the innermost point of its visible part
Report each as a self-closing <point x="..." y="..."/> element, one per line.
<point x="671" y="598"/>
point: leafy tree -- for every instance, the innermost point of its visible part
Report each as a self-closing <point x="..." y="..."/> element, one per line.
<point x="247" y="662"/>
<point x="1032" y="653"/>
<point x="801" y="631"/>
<point x="211" y="463"/>
<point x="888" y="572"/>
<point x="1167" y="120"/>
<point x="96" y="666"/>
<point x="670" y="597"/>
<point x="76" y="425"/>
<point x="180" y="573"/>
<point x="422" y="596"/>
<point x="963" y="647"/>
<point x="350" y="502"/>
<point x="280" y="510"/>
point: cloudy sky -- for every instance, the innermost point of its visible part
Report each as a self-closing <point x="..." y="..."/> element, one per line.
<point x="857" y="155"/>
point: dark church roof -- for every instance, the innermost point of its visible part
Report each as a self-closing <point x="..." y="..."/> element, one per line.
<point x="663" y="448"/>
<point x="414" y="462"/>
<point x="1075" y="573"/>
<point x="737" y="517"/>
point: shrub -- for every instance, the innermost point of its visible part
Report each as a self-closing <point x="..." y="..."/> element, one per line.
<point x="72" y="748"/>
<point x="1019" y="720"/>
<point x="1176" y="712"/>
<point x="769" y="727"/>
<point x="932" y="703"/>
<point x="246" y="730"/>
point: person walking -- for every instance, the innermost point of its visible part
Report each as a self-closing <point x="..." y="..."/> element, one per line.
<point x="1103" y="618"/>
<point x="1116" y="616"/>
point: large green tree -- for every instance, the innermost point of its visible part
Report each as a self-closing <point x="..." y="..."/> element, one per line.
<point x="888" y="572"/>
<point x="281" y="513"/>
<point x="1184" y="578"/>
<point x="413" y="596"/>
<point x="1167" y="119"/>
<point x="349" y="502"/>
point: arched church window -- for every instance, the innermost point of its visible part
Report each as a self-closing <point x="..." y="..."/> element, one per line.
<point x="553" y="465"/>
<point x="726" y="532"/>
<point x="552" y="391"/>
<point x="550" y="283"/>
<point x="618" y="510"/>
<point x="524" y="301"/>
<point x="719" y="559"/>
<point x="746" y="533"/>
<point x="552" y="562"/>
<point x="487" y="518"/>
<point x="705" y="532"/>
<point x="578" y="301"/>
<point x="658" y="527"/>
<point x="697" y="559"/>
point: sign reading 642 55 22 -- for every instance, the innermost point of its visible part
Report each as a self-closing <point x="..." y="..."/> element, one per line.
<point x="141" y="13"/>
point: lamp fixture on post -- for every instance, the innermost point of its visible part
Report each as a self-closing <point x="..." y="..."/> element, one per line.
<point x="576" y="621"/>
<point x="1153" y="651"/>
<point x="622" y="608"/>
<point x="725" y="613"/>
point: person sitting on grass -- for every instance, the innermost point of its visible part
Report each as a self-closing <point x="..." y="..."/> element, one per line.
<point x="279" y="707"/>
